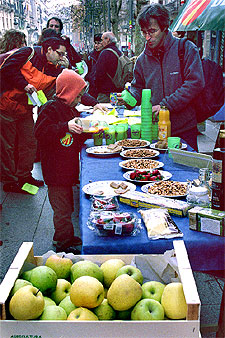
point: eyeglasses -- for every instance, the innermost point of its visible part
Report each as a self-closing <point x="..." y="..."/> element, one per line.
<point x="149" y="31"/>
<point x="56" y="26"/>
<point x="61" y="53"/>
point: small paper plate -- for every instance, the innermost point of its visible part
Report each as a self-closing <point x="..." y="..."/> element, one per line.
<point x="137" y="163"/>
<point x="101" y="151"/>
<point x="102" y="188"/>
<point x="152" y="153"/>
<point x="127" y="143"/>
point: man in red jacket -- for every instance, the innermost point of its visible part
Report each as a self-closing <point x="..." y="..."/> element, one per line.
<point x="25" y="71"/>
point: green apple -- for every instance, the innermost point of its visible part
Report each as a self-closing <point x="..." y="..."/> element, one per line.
<point x="19" y="283"/>
<point x="67" y="305"/>
<point x="27" y="303"/>
<point x="26" y="275"/>
<point x="87" y="291"/>
<point x="124" y="315"/>
<point x="53" y="312"/>
<point x="124" y="293"/>
<point x="86" y="268"/>
<point x="61" y="265"/>
<point x="44" y="278"/>
<point x="131" y="271"/>
<point x="147" y="309"/>
<point x="173" y="301"/>
<point x="110" y="268"/>
<point x="62" y="290"/>
<point x="105" y="311"/>
<point x="153" y="290"/>
<point x="81" y="313"/>
<point x="48" y="301"/>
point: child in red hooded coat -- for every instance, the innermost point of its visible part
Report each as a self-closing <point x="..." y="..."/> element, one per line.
<point x="60" y="140"/>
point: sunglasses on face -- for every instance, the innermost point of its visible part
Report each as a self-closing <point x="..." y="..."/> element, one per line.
<point x="52" y="26"/>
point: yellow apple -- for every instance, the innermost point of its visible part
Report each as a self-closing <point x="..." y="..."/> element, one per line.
<point x="110" y="268"/>
<point x="87" y="291"/>
<point x="124" y="293"/>
<point x="173" y="301"/>
<point x="82" y="313"/>
<point x="61" y="265"/>
<point x="27" y="303"/>
<point x="62" y="290"/>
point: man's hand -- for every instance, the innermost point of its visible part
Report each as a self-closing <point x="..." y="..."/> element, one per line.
<point x="74" y="127"/>
<point x="101" y="107"/>
<point x="64" y="62"/>
<point x="121" y="102"/>
<point x="156" y="109"/>
<point x="30" y="88"/>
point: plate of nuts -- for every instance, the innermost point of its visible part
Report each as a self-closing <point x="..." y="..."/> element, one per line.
<point x="139" y="153"/>
<point x="166" y="188"/>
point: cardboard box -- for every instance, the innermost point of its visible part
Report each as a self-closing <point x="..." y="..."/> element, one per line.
<point x="207" y="220"/>
<point x="188" y="328"/>
<point x="191" y="159"/>
<point x="138" y="199"/>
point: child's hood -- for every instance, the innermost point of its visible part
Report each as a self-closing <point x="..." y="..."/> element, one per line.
<point x="69" y="85"/>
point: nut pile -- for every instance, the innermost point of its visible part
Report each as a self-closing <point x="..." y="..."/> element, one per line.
<point x="140" y="153"/>
<point x="168" y="188"/>
<point x="140" y="164"/>
<point x="132" y="143"/>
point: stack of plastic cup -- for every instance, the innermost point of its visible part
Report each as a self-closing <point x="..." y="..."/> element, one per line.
<point x="146" y="115"/>
<point x="155" y="128"/>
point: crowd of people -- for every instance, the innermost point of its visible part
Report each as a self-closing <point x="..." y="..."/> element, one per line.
<point x="53" y="66"/>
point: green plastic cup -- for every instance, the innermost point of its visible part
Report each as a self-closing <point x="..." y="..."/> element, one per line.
<point x="98" y="138"/>
<point x="173" y="143"/>
<point x="135" y="130"/>
<point x="146" y="97"/>
<point x="125" y="125"/>
<point x="120" y="132"/>
<point x="128" y="98"/>
<point x="110" y="135"/>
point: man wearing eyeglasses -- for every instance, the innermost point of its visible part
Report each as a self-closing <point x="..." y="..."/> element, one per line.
<point x="26" y="71"/>
<point x="158" y="68"/>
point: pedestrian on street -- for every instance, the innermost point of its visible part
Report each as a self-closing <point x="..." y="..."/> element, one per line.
<point x="106" y="67"/>
<point x="92" y="60"/>
<point x="158" y="68"/>
<point x="25" y="71"/>
<point x="60" y="140"/>
<point x="12" y="40"/>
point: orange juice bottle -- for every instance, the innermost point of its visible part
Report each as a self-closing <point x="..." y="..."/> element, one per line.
<point x="164" y="124"/>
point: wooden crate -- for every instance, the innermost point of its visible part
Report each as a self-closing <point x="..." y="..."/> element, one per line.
<point x="188" y="328"/>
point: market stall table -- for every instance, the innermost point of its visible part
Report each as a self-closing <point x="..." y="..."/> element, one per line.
<point x="206" y="251"/>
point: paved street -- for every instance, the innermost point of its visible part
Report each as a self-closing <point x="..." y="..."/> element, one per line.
<point x="29" y="218"/>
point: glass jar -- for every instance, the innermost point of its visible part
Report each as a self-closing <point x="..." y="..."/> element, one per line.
<point x="198" y="196"/>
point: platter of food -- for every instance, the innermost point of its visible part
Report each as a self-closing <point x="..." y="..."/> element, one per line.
<point x="163" y="145"/>
<point x="104" y="150"/>
<point x="108" y="188"/>
<point x="140" y="164"/>
<point x="133" y="143"/>
<point x="166" y="189"/>
<point x="144" y="176"/>
<point x="139" y="153"/>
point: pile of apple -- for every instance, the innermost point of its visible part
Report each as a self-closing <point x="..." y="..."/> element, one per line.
<point x="61" y="290"/>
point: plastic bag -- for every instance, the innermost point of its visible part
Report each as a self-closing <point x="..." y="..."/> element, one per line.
<point x="159" y="223"/>
<point x="112" y="223"/>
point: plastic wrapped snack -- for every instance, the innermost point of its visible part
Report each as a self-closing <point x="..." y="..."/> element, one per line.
<point x="112" y="223"/>
<point x="104" y="203"/>
<point x="159" y="224"/>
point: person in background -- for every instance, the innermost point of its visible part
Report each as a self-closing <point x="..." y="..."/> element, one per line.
<point x="25" y="71"/>
<point x="74" y="58"/>
<point x="92" y="60"/>
<point x="105" y="66"/>
<point x="59" y="138"/>
<point x="56" y="24"/>
<point x="158" y="68"/>
<point x="49" y="33"/>
<point x="11" y="41"/>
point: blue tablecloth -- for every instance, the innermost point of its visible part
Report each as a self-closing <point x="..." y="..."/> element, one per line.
<point x="206" y="252"/>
